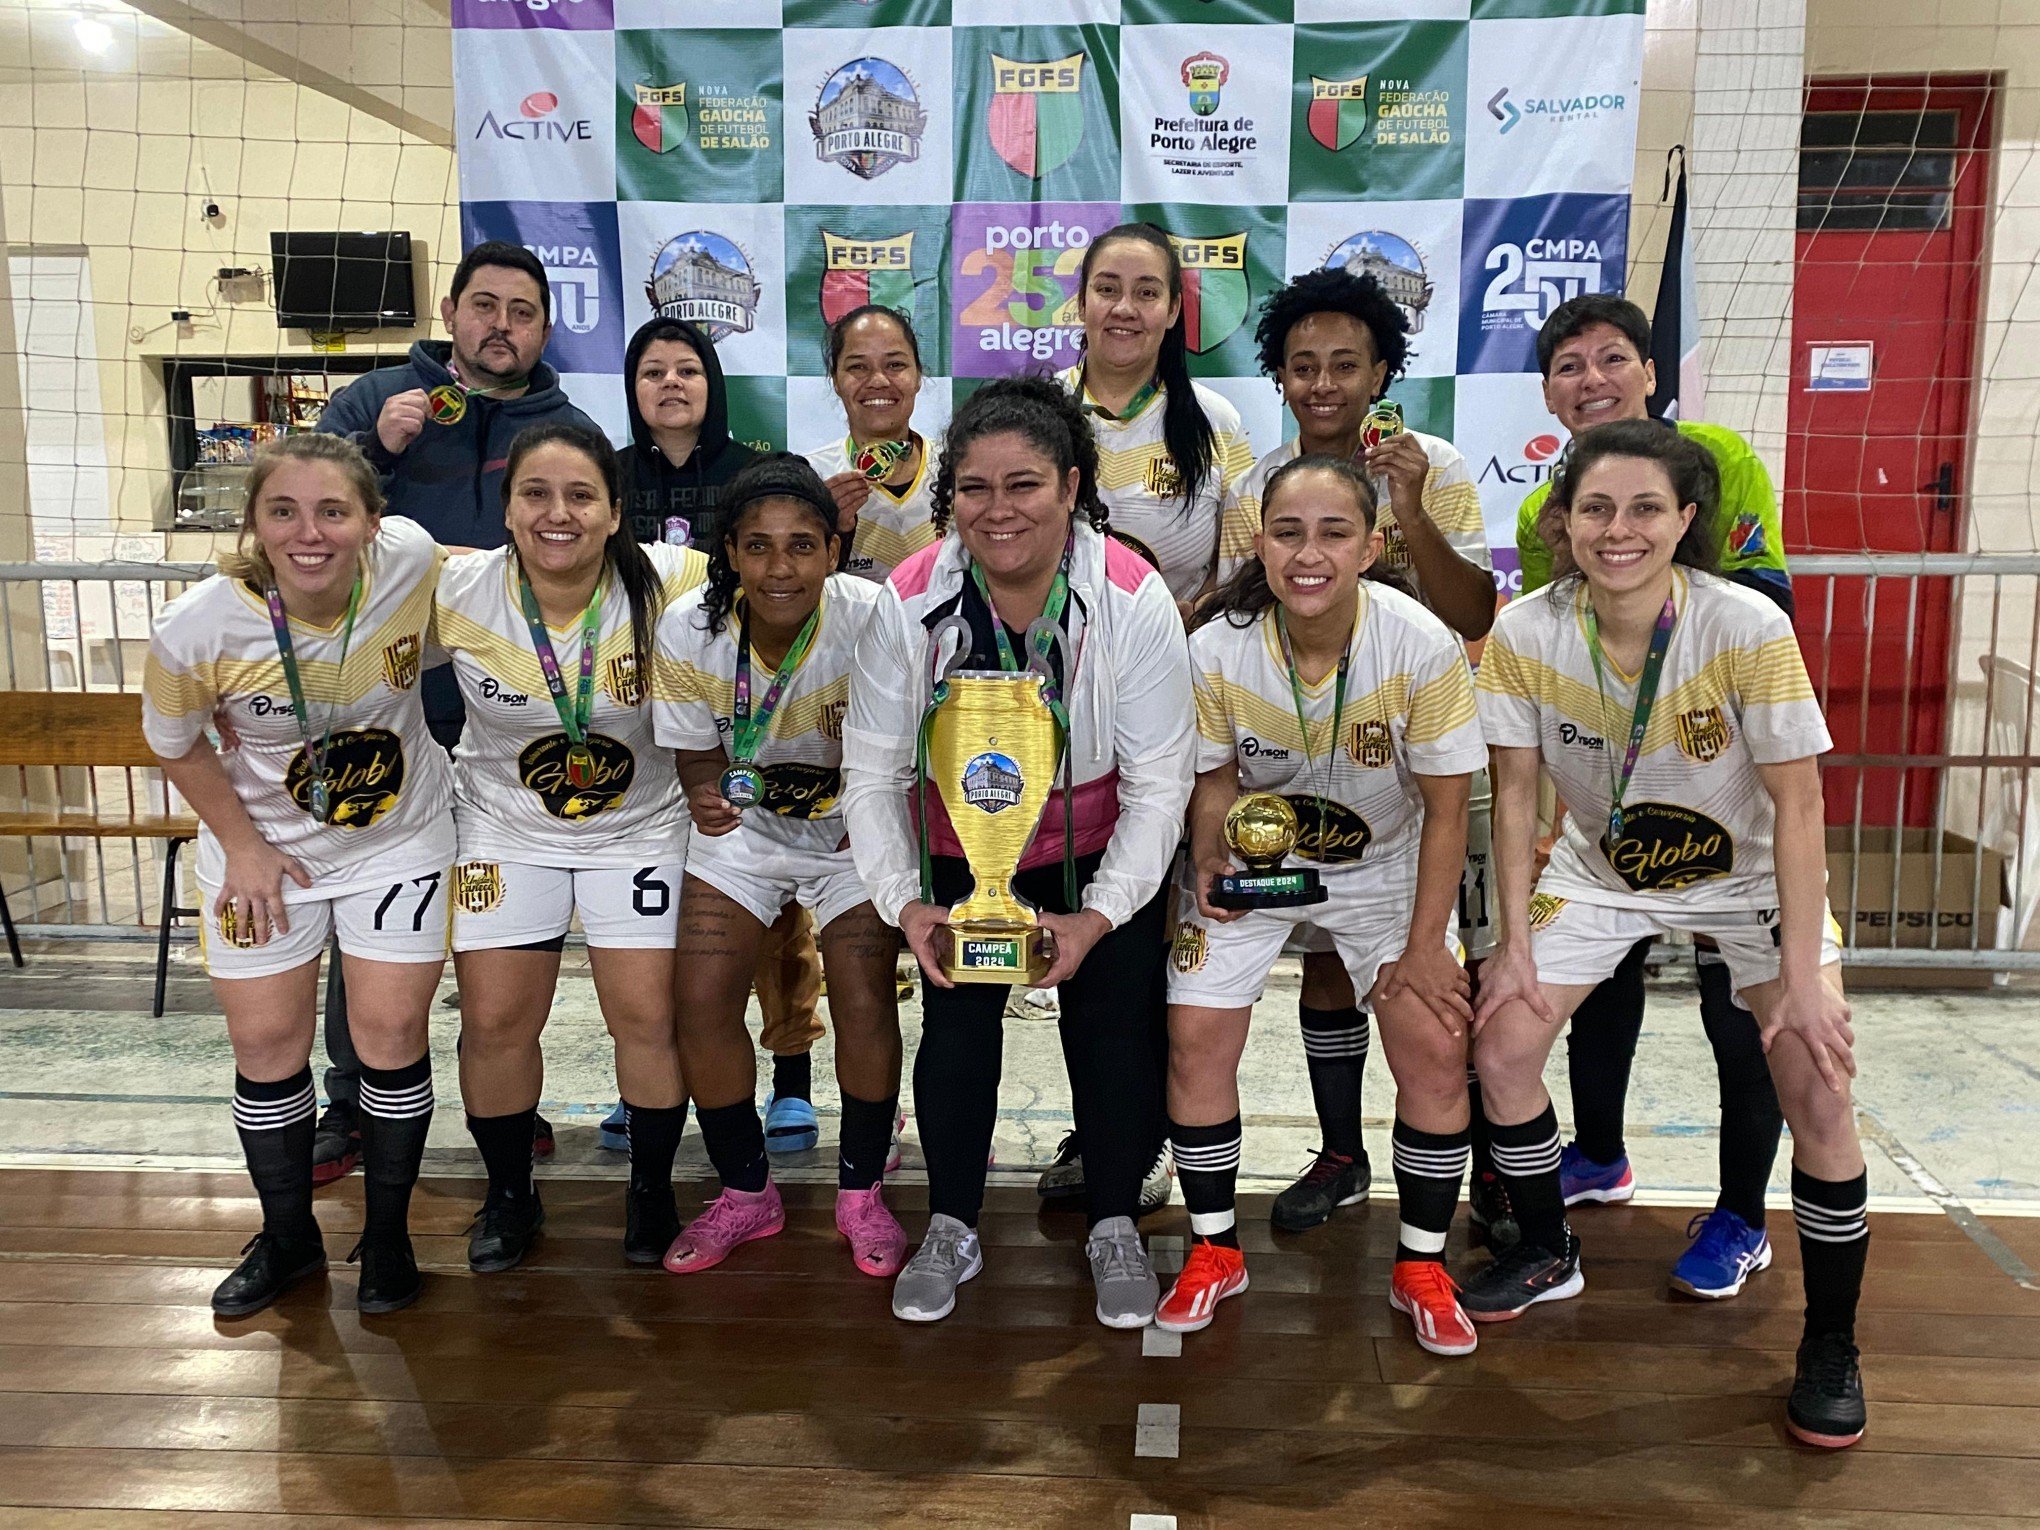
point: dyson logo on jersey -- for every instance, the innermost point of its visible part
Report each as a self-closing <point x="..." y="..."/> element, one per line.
<point x="496" y="691"/>
<point x="1665" y="847"/>
<point x="542" y="766"/>
<point x="1254" y="749"/>
<point x="364" y="774"/>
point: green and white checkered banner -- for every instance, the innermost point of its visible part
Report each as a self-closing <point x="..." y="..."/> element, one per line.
<point x="759" y="166"/>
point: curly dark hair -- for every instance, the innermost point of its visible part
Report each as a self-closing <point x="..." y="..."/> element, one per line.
<point x="629" y="563"/>
<point x="1695" y="480"/>
<point x="779" y="475"/>
<point x="1042" y="411"/>
<point x="1333" y="290"/>
<point x="1242" y="598"/>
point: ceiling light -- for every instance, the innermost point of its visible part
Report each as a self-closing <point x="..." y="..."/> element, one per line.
<point x="93" y="36"/>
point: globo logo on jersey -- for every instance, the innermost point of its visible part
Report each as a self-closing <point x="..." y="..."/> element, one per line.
<point x="364" y="774"/>
<point x="1665" y="847"/>
<point x="1335" y="834"/>
<point x="794" y="790"/>
<point x="542" y="766"/>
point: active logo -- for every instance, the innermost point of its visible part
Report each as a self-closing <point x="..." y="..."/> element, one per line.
<point x="992" y="782"/>
<point x="659" y="120"/>
<point x="868" y="118"/>
<point x="537" y="121"/>
<point x="1394" y="263"/>
<point x="1338" y="111"/>
<point x="705" y="279"/>
<point x="1036" y="118"/>
<point x="1216" y="295"/>
<point x="1533" y="464"/>
<point x="860" y="271"/>
<point x="1204" y="75"/>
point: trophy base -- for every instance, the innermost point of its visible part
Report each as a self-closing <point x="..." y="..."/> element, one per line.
<point x="1296" y="888"/>
<point x="1004" y="954"/>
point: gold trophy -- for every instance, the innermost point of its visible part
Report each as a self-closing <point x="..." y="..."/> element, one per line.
<point x="1261" y="828"/>
<point x="992" y="760"/>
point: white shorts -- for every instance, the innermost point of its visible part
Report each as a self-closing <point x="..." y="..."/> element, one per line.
<point x="765" y="876"/>
<point x="1225" y="966"/>
<point x="1577" y="942"/>
<point x="401" y="921"/>
<point x="498" y="904"/>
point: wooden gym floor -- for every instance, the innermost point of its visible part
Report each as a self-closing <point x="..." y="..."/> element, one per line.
<point x="779" y="1391"/>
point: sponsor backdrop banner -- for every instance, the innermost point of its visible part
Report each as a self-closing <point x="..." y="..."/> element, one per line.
<point x="760" y="166"/>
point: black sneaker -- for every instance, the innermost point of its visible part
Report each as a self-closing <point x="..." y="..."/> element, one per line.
<point x="542" y="1143"/>
<point x="389" y="1275"/>
<point x="1063" y="1179"/>
<point x="1490" y="1218"/>
<point x="503" y="1233"/>
<point x="1826" y="1405"/>
<point x="1331" y="1181"/>
<point x="336" y="1143"/>
<point x="651" y="1221"/>
<point x="1521" y="1278"/>
<point x="272" y="1266"/>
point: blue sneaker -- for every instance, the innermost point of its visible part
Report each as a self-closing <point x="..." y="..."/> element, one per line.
<point x="614" y="1134"/>
<point x="790" y="1125"/>
<point x="1726" y="1252"/>
<point x="1581" y="1179"/>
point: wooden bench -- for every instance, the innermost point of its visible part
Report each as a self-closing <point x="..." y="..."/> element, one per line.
<point x="88" y="729"/>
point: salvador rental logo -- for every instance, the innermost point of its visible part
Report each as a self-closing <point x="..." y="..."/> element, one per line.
<point x="1036" y="120"/>
<point x="1557" y="110"/>
<point x="706" y="279"/>
<point x="869" y="118"/>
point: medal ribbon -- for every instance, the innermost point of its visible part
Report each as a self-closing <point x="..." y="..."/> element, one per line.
<point x="1646" y="698"/>
<point x="574" y="716"/>
<point x="747" y="731"/>
<point x="1338" y="709"/>
<point x="1133" y="407"/>
<point x="279" y="622"/>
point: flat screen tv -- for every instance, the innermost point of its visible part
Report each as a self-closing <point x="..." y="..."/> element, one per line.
<point x="343" y="280"/>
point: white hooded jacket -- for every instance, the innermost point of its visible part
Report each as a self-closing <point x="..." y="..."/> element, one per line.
<point x="1132" y="723"/>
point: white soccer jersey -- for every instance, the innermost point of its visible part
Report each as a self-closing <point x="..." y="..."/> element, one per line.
<point x="214" y="651"/>
<point x="1450" y="499"/>
<point x="1138" y="482"/>
<point x="1409" y="711"/>
<point x="892" y="525"/>
<point x="801" y="755"/>
<point x="1733" y="695"/>
<point x="514" y="802"/>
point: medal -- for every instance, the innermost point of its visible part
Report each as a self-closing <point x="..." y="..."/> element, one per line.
<point x="877" y="460"/>
<point x="742" y="785"/>
<point x="448" y="403"/>
<point x="1382" y="421"/>
<point x="318" y="792"/>
<point x="580" y="765"/>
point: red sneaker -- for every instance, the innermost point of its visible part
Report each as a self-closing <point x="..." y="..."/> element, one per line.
<point x="1421" y="1288"/>
<point x="1210" y="1275"/>
<point x="734" y="1217"/>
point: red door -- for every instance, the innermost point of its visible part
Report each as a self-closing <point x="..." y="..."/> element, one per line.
<point x="1894" y="188"/>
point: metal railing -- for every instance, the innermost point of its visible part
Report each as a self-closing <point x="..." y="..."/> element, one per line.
<point x="1936" y="862"/>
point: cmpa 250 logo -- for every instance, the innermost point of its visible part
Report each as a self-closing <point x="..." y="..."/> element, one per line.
<point x="868" y="118"/>
<point x="704" y="278"/>
<point x="1532" y="278"/>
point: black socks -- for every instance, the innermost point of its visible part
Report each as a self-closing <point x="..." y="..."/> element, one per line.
<point x="1429" y="1167"/>
<point x="735" y="1139"/>
<point x="865" y="1141"/>
<point x="275" y="1122"/>
<point x="1208" y="1168"/>
<point x="1335" y="1050"/>
<point x="396" y="1113"/>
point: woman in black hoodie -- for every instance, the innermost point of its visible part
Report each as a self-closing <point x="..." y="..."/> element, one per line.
<point x="681" y="455"/>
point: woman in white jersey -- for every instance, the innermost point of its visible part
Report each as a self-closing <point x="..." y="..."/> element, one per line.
<point x="1672" y="711"/>
<point x="565" y="806"/>
<point x="330" y="811"/>
<point x="754" y="678"/>
<point x="1349" y="700"/>
<point x="880" y="474"/>
<point x="1025" y="576"/>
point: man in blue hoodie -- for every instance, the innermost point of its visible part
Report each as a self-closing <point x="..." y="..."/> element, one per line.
<point x="438" y="429"/>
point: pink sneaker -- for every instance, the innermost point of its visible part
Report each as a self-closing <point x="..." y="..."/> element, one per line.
<point x="734" y="1217"/>
<point x="877" y="1245"/>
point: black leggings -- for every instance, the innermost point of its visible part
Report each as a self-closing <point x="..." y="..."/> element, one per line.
<point x="1108" y="1046"/>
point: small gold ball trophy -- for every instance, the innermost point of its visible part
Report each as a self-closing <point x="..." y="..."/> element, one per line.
<point x="1262" y="829"/>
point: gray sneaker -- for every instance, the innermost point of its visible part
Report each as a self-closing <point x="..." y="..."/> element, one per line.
<point x="1127" y="1287"/>
<point x="925" y="1291"/>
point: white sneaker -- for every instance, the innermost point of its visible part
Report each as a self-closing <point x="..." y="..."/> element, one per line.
<point x="925" y="1291"/>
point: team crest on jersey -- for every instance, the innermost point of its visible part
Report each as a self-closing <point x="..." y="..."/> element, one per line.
<point x="1371" y="744"/>
<point x="400" y="662"/>
<point x="831" y="724"/>
<point x="1544" y="907"/>
<point x="1338" y="834"/>
<point x="1703" y="733"/>
<point x="992" y="782"/>
<point x="477" y="886"/>
<point x="1395" y="547"/>
<point x="623" y="682"/>
<point x="233" y="931"/>
<point x="364" y="774"/>
<point x="542" y="766"/>
<point x="1746" y="536"/>
<point x="796" y="790"/>
<point x="1190" y="949"/>
<point x="1665" y="847"/>
<point x="1163" y="480"/>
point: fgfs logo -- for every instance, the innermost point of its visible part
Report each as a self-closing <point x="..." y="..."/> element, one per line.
<point x="868" y="118"/>
<point x="1215" y="291"/>
<point x="536" y="120"/>
<point x="1036" y="119"/>
<point x="860" y="271"/>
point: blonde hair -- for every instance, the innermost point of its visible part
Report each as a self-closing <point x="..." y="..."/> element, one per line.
<point x="248" y="561"/>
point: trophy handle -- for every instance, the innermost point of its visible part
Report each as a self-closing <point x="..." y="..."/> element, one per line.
<point x="1037" y="658"/>
<point x="940" y="668"/>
